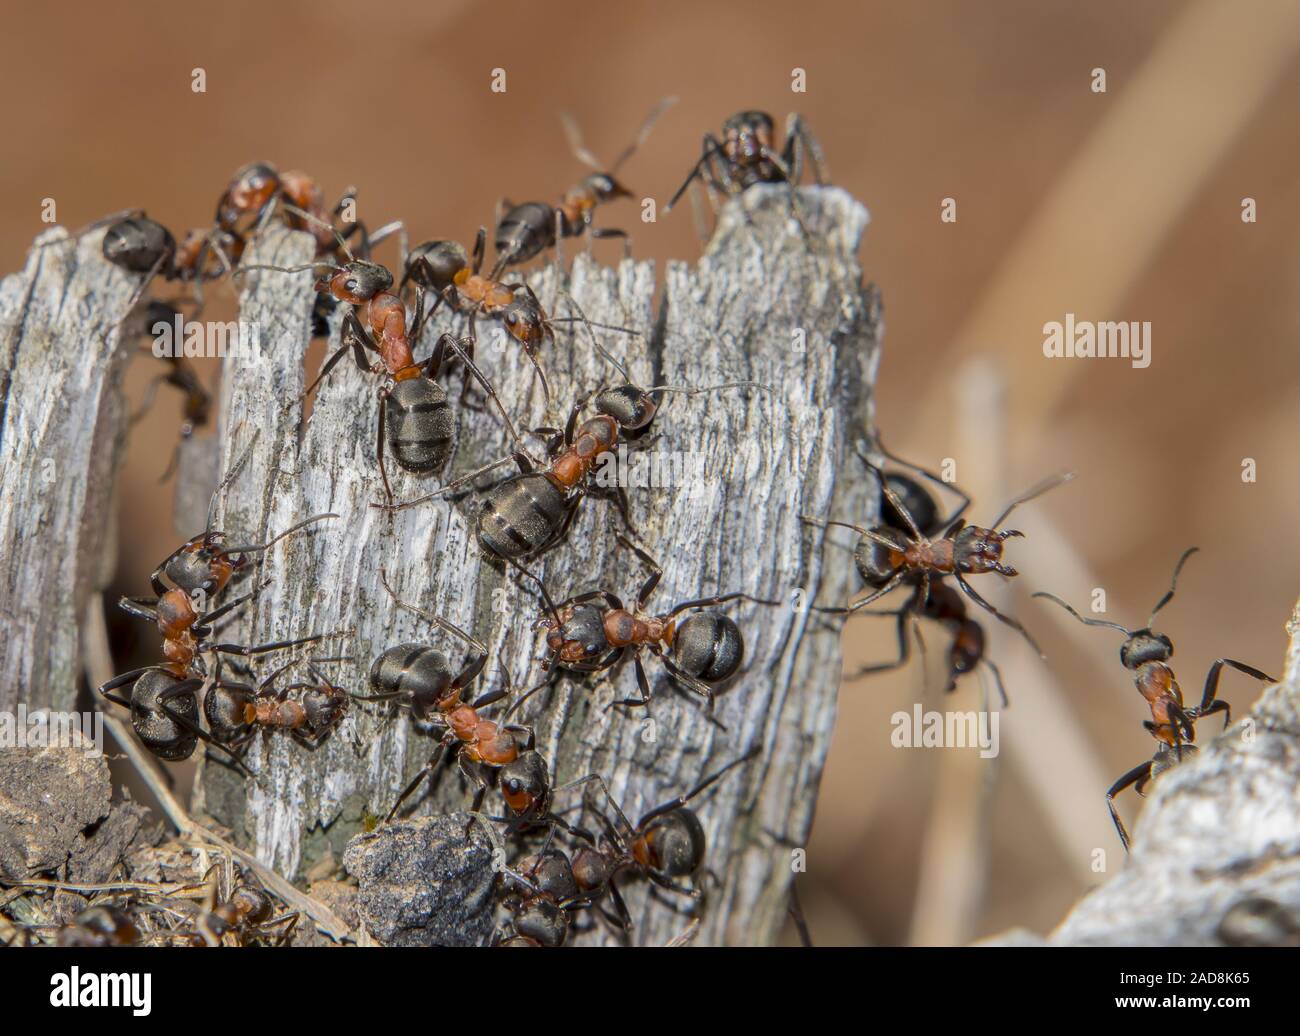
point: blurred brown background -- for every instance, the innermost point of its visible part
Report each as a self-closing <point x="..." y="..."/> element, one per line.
<point x="1123" y="205"/>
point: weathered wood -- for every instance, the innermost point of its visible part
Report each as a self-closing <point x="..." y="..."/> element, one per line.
<point x="62" y="358"/>
<point x="1221" y="828"/>
<point x="768" y="455"/>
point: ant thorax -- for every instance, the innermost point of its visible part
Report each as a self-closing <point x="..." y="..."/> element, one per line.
<point x="624" y="628"/>
<point x="1156" y="681"/>
<point x="480" y="290"/>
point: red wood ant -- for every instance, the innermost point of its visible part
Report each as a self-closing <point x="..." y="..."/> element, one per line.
<point x="594" y="632"/>
<point x="528" y="229"/>
<point x="1146" y="653"/>
<point x="422" y="678"/>
<point x="163" y="702"/>
<point x="99" y="926"/>
<point x="546" y="881"/>
<point x="887" y="557"/>
<point x="247" y="914"/>
<point x="666" y="845"/>
<point x="747" y="155"/>
<point x="415" y="418"/>
<point x="236" y="711"/>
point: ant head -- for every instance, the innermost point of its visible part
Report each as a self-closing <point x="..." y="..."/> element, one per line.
<point x="1144" y="646"/>
<point x="978" y="550"/>
<point x="357" y="282"/>
<point x="581" y="636"/>
<point x="745" y="134"/>
<point x="203" y="564"/>
<point x="672" y="845"/>
<point x="552" y="873"/>
<point x="543" y="922"/>
<point x="525" y="320"/>
<point x="137" y="244"/>
<point x="325" y="706"/>
<point x="250" y="188"/>
<point x="251" y="904"/>
<point x="525" y="784"/>
<point x="592" y="869"/>
<point x="444" y="260"/>
<point x="605" y="187"/>
<point x="631" y="407"/>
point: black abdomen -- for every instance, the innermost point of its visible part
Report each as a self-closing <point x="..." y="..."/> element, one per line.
<point x="521" y="516"/>
<point x="421" y="425"/>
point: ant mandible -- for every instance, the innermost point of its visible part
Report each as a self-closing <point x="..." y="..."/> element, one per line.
<point x="1146" y="653"/>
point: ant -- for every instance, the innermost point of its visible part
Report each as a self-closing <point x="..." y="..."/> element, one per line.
<point x="537" y="916"/>
<point x="236" y="711"/>
<point x="444" y="268"/>
<point x="747" y="155"/>
<point x="415" y="418"/>
<point x="667" y="844"/>
<point x="528" y="513"/>
<point x="939" y="602"/>
<point x="139" y="244"/>
<point x="257" y="188"/>
<point x="163" y="702"/>
<point x="888" y="557"/>
<point x="594" y="632"/>
<point x="422" y="678"/>
<point x="248" y="913"/>
<point x="1146" y="654"/>
<point x="528" y="229"/>
<point x="99" y="926"/>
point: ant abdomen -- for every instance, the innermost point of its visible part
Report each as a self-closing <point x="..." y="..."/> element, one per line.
<point x="525" y="231"/>
<point x="521" y="516"/>
<point x="708" y="645"/>
<point x="872" y="557"/>
<point x="674" y="844"/>
<point x="420" y="424"/>
<point x="416" y="670"/>
<point x="137" y="244"/>
<point x="163" y="735"/>
<point x="917" y="500"/>
<point x="227" y="712"/>
<point x="445" y="259"/>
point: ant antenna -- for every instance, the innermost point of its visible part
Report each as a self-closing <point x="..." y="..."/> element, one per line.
<point x="585" y="156"/>
<point x="287" y="532"/>
<point x="599" y="349"/>
<point x="224" y="484"/>
<point x="1036" y="491"/>
<point x="437" y="620"/>
<point x="1087" y="622"/>
<point x="311" y="218"/>
<point x="1173" y="584"/>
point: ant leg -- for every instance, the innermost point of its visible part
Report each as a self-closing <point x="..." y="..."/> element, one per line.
<point x="480" y="247"/>
<point x="475" y="665"/>
<point x="349" y="341"/>
<point x="1210" y="699"/>
<point x="193" y="728"/>
<point x="704" y="784"/>
<point x="797" y="140"/>
<point x="1138" y="773"/>
<point x="643" y="685"/>
<point x="140" y="607"/>
<point x="997" y="677"/>
<point x="1004" y="619"/>
<point x="927" y="473"/>
<point x="709" y="150"/>
<point x="706" y="602"/>
<point x="656" y="573"/>
<point x="105" y="689"/>
<point x="379" y="444"/>
<point x="425" y="771"/>
<point x="262" y="649"/>
<point x="466" y="355"/>
<point x="904" y="650"/>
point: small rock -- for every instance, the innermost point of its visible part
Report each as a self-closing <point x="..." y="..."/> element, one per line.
<point x="340" y="897"/>
<point x="423" y="882"/>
